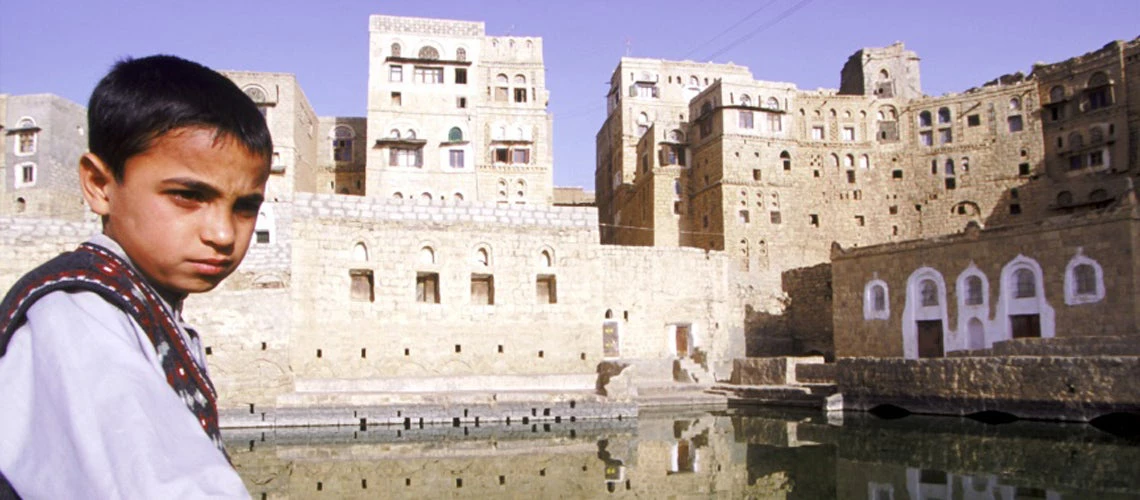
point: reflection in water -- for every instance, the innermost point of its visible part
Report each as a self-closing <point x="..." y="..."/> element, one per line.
<point x="733" y="454"/>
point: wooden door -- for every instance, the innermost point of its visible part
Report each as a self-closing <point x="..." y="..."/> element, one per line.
<point x="682" y="341"/>
<point x="1025" y="326"/>
<point x="930" y="339"/>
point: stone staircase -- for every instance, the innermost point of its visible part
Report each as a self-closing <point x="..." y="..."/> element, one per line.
<point x="782" y="381"/>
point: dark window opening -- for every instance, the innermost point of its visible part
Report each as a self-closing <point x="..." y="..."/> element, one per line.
<point x="482" y="289"/>
<point x="546" y="289"/>
<point x="461" y="75"/>
<point x="362" y="285"/>
<point x="427" y="288"/>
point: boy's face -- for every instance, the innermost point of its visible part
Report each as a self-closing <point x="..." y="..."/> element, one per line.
<point x="185" y="209"/>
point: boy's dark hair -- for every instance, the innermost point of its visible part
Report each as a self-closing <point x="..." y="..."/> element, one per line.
<point x="141" y="99"/>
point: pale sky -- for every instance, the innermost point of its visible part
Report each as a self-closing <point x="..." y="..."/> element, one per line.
<point x="64" y="46"/>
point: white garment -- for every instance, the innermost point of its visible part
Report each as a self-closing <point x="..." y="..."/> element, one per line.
<point x="87" y="412"/>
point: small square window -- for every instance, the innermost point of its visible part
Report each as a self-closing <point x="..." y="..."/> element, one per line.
<point x="461" y="76"/>
<point x="774" y="217"/>
<point x="813" y="219"/>
<point x="461" y="102"/>
<point x="397" y="99"/>
<point x="849" y="133"/>
<point x="362" y="285"/>
<point x="973" y="120"/>
<point x="262" y="236"/>
<point x="396" y="73"/>
<point x="817" y="133"/>
<point x="894" y="210"/>
<point x="1014" y="209"/>
<point x="851" y="177"/>
<point x="427" y="288"/>
<point x="520" y="95"/>
<point x="1023" y="169"/>
<point x="1015" y="123"/>
<point x="896" y="174"/>
<point x="482" y="289"/>
<point x="546" y="289"/>
<point x="756" y="174"/>
<point x="860" y="221"/>
<point x="951" y="183"/>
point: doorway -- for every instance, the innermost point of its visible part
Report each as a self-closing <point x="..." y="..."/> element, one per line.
<point x="930" y="339"/>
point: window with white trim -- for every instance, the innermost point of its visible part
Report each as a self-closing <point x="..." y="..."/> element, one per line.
<point x="876" y="303"/>
<point x="25" y="174"/>
<point x="1084" y="280"/>
<point x="428" y="75"/>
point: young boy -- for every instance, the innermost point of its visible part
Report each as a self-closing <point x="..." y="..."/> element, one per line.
<point x="104" y="388"/>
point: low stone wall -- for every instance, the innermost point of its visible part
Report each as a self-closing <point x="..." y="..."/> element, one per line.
<point x="760" y="371"/>
<point x="815" y="373"/>
<point x="1052" y="388"/>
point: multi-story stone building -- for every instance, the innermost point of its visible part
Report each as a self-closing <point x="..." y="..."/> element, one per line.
<point x="44" y="135"/>
<point x="775" y="176"/>
<point x="454" y="114"/>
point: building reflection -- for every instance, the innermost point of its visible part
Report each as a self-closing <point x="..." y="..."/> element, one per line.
<point x="761" y="454"/>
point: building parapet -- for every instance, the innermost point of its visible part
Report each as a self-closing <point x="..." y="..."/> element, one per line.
<point x="451" y="212"/>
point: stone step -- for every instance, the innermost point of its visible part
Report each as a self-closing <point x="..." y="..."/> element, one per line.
<point x="807" y="395"/>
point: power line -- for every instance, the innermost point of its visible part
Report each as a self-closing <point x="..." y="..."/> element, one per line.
<point x="730" y="28"/>
<point x="799" y="5"/>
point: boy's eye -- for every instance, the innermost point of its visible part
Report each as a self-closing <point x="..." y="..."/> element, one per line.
<point x="248" y="209"/>
<point x="187" y="195"/>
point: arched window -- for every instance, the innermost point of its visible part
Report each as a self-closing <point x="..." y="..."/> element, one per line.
<point x="429" y="53"/>
<point x="1025" y="284"/>
<point x="501" y="79"/>
<point x="455" y="135"/>
<point x="694" y="81"/>
<point x="1098" y="79"/>
<point x="974" y="294"/>
<point x="458" y="196"/>
<point x="849" y="161"/>
<point x="397" y="195"/>
<point x="676" y="136"/>
<point x="482" y="257"/>
<point x="395" y="50"/>
<point x="835" y="160"/>
<point x="928" y="291"/>
<point x="943" y="115"/>
<point x="359" y="252"/>
<point x="1064" y="198"/>
<point x="772" y="103"/>
<point x="745" y="100"/>
<point x="411" y="134"/>
<point x="427" y="255"/>
<point x="1015" y="104"/>
<point x="924" y="119"/>
<point x="864" y="161"/>
<point x="949" y="167"/>
<point x="706" y="108"/>
<point x="786" y="158"/>
<point x="546" y="258"/>
<point x="460" y="54"/>
<point x="425" y="196"/>
<point x="876" y="303"/>
<point x="1076" y="141"/>
<point x="884" y="75"/>
<point x="1084" y="280"/>
<point x="1056" y="94"/>
<point x="520" y="80"/>
<point x="394" y="134"/>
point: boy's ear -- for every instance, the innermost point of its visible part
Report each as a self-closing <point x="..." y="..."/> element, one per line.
<point x="96" y="181"/>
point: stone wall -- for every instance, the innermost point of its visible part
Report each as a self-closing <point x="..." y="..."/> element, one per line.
<point x="1054" y="246"/>
<point x="1050" y="388"/>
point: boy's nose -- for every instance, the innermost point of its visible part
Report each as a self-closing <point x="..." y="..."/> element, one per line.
<point x="218" y="231"/>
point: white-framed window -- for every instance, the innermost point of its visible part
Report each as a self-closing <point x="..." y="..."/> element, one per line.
<point x="775" y="123"/>
<point x="395" y="73"/>
<point x="455" y="158"/>
<point x="27" y="137"/>
<point x="745" y="119"/>
<point x="26" y="174"/>
<point x="1084" y="280"/>
<point x="876" y="301"/>
<point x="924" y="306"/>
<point x="405" y="157"/>
<point x="817" y="133"/>
<point x="428" y="75"/>
<point x="849" y="134"/>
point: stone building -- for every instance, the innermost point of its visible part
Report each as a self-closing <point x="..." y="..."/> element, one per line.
<point x="1066" y="276"/>
<point x="774" y="175"/>
<point x="454" y="114"/>
<point x="44" y="135"/>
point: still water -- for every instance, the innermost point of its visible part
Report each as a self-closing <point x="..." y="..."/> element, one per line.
<point x="755" y="453"/>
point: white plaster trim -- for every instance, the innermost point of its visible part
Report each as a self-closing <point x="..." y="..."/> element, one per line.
<point x="1073" y="298"/>
<point x="913" y="311"/>
<point x="869" y="312"/>
<point x="18" y="173"/>
<point x="1008" y="305"/>
<point x="981" y="312"/>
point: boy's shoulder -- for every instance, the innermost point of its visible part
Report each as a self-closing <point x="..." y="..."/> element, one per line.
<point x="88" y="268"/>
